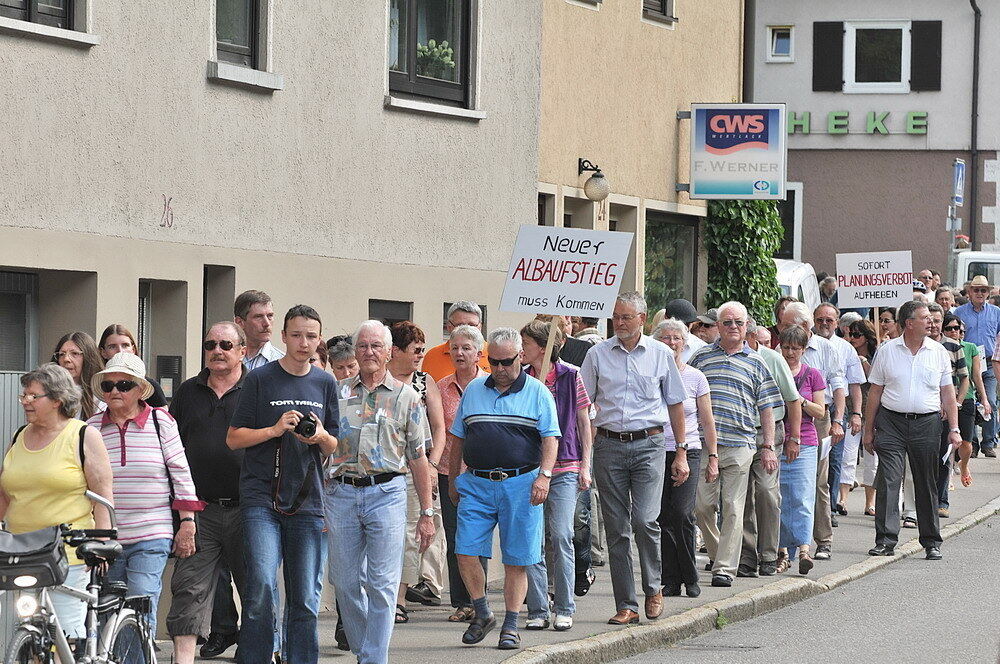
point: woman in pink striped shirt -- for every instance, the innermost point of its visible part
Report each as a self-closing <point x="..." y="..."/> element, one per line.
<point x="148" y="463"/>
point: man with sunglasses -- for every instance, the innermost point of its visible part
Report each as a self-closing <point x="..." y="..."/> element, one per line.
<point x="982" y="324"/>
<point x="203" y="407"/>
<point x="637" y="389"/>
<point x="505" y="432"/>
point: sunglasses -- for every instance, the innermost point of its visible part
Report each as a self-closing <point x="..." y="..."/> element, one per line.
<point x="506" y="363"/>
<point x="122" y="386"/>
<point x="952" y="328"/>
<point x="855" y="335"/>
<point x="225" y="344"/>
<point x="733" y="323"/>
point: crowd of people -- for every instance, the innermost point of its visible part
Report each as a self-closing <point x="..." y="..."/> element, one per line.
<point x="383" y="467"/>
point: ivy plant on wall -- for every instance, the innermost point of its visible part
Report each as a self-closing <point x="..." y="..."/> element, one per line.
<point x="741" y="238"/>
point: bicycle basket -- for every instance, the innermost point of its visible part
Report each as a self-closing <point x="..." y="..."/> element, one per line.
<point x="32" y="560"/>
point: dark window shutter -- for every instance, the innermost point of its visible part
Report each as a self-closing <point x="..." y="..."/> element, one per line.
<point x="925" y="55"/>
<point x="653" y="6"/>
<point x="828" y="56"/>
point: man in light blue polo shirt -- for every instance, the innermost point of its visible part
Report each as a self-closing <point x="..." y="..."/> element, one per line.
<point x="982" y="323"/>
<point x="505" y="432"/>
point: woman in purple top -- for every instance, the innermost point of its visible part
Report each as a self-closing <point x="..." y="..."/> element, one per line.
<point x="677" y="550"/>
<point x="797" y="478"/>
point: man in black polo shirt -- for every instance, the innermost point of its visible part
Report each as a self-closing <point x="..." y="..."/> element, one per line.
<point x="203" y="407"/>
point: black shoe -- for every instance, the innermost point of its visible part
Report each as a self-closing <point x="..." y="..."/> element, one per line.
<point x="833" y="521"/>
<point x="722" y="580"/>
<point x="672" y="590"/>
<point x="822" y="552"/>
<point x="708" y="567"/>
<point x="422" y="594"/>
<point x="768" y="567"/>
<point x="583" y="583"/>
<point x="840" y="509"/>
<point x="692" y="589"/>
<point x="990" y="453"/>
<point x="881" y="550"/>
<point x="746" y="572"/>
<point x="217" y="644"/>
<point x="478" y="629"/>
<point x="340" y="634"/>
<point x="933" y="553"/>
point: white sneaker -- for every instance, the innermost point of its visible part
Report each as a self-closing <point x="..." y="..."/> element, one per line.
<point x="536" y="623"/>
<point x="562" y="623"/>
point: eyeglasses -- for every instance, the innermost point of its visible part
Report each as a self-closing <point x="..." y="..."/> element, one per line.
<point x="27" y="397"/>
<point x="375" y="348"/>
<point x="419" y="351"/>
<point x="952" y="328"/>
<point x="506" y="362"/>
<point x="855" y="335"/>
<point x="122" y="386"/>
<point x="826" y="320"/>
<point x="625" y="318"/>
<point x="981" y="289"/>
<point x="225" y="344"/>
<point x="733" y="323"/>
<point x="71" y="353"/>
<point x="887" y="320"/>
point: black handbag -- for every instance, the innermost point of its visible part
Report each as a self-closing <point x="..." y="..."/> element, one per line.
<point x="39" y="554"/>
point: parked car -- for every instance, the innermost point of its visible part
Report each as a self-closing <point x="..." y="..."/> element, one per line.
<point x="798" y="280"/>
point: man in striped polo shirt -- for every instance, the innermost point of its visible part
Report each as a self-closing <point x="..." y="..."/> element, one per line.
<point x="741" y="387"/>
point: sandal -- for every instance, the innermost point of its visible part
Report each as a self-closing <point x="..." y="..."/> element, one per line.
<point x="967" y="480"/>
<point x="462" y="614"/>
<point x="509" y="640"/>
<point x="870" y="511"/>
<point x="805" y="562"/>
<point x="782" y="564"/>
<point x="402" y="615"/>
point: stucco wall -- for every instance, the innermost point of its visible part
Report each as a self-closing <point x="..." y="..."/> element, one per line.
<point x="99" y="138"/>
<point x="948" y="120"/>
<point x="613" y="82"/>
<point x="876" y="201"/>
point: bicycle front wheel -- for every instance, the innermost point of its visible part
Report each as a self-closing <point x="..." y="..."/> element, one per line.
<point x="24" y="648"/>
<point x="129" y="644"/>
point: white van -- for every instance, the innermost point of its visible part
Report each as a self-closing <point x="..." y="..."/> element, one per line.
<point x="969" y="264"/>
<point x="798" y="280"/>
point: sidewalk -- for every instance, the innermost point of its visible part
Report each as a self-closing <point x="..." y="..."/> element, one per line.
<point x="429" y="638"/>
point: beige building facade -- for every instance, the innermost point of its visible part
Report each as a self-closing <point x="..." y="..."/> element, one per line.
<point x="614" y="76"/>
<point x="164" y="157"/>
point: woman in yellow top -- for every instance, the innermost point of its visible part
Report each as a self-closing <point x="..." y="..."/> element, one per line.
<point x="43" y="479"/>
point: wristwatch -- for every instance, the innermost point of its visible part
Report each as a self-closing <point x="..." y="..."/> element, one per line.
<point x="792" y="439"/>
<point x="682" y="446"/>
<point x="955" y="430"/>
<point x="713" y="455"/>
<point x="766" y="446"/>
<point x="427" y="512"/>
<point x="546" y="473"/>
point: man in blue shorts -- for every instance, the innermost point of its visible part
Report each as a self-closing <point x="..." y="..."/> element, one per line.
<point x="505" y="432"/>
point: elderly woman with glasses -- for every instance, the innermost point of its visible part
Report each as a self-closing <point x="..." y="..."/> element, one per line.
<point x="151" y="477"/>
<point x="77" y="353"/>
<point x="954" y="329"/>
<point x="52" y="462"/>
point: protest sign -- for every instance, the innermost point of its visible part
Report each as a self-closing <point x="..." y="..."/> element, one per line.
<point x="874" y="279"/>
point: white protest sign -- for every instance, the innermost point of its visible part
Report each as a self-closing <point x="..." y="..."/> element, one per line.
<point x="565" y="271"/>
<point x="874" y="279"/>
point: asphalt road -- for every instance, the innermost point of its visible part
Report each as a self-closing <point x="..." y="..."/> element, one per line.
<point x="912" y="611"/>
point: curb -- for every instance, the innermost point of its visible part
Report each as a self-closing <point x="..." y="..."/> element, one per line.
<point x="611" y="646"/>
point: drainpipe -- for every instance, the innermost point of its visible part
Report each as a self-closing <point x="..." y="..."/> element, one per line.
<point x="974" y="142"/>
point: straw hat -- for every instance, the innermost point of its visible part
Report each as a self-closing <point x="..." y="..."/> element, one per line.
<point x="126" y="363"/>
<point x="979" y="281"/>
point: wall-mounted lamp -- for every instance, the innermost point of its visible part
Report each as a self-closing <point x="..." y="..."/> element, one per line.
<point x="597" y="187"/>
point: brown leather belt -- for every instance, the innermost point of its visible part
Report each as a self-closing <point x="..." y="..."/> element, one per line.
<point x="629" y="436"/>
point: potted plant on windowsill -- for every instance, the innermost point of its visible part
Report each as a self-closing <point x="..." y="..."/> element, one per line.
<point x="436" y="60"/>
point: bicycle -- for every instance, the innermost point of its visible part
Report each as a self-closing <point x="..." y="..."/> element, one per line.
<point x="125" y="636"/>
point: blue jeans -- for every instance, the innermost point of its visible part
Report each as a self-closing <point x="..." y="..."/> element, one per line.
<point x="990" y="428"/>
<point x="560" y="507"/>
<point x="366" y="531"/>
<point x="141" y="567"/>
<point x="270" y="538"/>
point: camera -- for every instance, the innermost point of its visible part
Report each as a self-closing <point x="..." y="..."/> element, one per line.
<point x="306" y="426"/>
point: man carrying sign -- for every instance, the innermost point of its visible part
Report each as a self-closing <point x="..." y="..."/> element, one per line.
<point x="636" y="387"/>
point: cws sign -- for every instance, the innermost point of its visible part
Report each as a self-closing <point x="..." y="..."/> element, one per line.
<point x="738" y="151"/>
<point x="565" y="271"/>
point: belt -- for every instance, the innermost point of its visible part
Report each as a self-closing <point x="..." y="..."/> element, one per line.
<point x="911" y="416"/>
<point x="500" y="474"/>
<point x="629" y="436"/>
<point x="224" y="503"/>
<point x="368" y="480"/>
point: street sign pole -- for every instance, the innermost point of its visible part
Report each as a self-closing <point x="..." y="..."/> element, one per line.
<point x="954" y="223"/>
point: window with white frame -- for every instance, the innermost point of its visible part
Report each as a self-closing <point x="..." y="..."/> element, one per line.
<point x="780" y="43"/>
<point x="877" y="56"/>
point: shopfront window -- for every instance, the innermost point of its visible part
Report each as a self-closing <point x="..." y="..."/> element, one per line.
<point x="671" y="259"/>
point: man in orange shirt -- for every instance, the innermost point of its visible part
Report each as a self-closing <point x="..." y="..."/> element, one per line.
<point x="437" y="361"/>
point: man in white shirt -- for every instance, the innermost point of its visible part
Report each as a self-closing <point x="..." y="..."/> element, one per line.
<point x="254" y="313"/>
<point x="911" y="385"/>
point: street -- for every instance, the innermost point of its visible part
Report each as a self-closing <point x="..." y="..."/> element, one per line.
<point x="912" y="611"/>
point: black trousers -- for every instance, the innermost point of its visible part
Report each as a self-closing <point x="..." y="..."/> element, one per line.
<point x="897" y="439"/>
<point x="677" y="553"/>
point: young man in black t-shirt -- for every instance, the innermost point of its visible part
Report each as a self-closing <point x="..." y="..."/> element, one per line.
<point x="280" y="489"/>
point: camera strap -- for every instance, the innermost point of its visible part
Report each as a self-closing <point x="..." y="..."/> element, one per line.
<point x="304" y="490"/>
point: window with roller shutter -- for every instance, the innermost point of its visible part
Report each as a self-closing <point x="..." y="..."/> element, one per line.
<point x="659" y="10"/>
